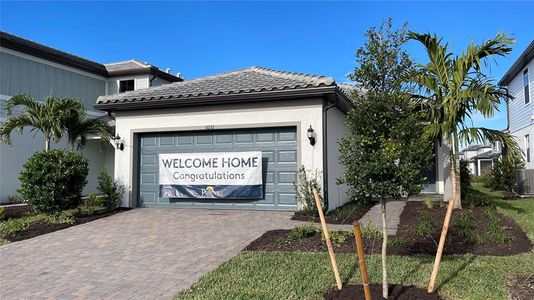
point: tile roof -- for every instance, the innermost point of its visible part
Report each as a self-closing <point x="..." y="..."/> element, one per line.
<point x="246" y="81"/>
<point x="126" y="65"/>
<point x="485" y="155"/>
<point x="474" y="148"/>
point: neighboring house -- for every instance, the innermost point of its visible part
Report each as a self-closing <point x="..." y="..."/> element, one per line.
<point x="519" y="80"/>
<point x="293" y="119"/>
<point x="37" y="70"/>
<point x="480" y="157"/>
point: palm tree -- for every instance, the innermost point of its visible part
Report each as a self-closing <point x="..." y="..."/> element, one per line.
<point x="452" y="89"/>
<point x="78" y="126"/>
<point x="45" y="117"/>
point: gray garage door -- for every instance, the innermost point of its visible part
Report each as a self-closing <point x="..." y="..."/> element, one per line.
<point x="278" y="146"/>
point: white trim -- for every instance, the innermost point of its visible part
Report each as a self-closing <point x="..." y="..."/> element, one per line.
<point x="126" y="79"/>
<point x="95" y="113"/>
<point x="131" y="60"/>
<point x="53" y="64"/>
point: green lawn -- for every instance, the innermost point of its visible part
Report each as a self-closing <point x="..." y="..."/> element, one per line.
<point x="280" y="275"/>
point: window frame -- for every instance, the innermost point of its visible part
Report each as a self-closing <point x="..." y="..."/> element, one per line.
<point x="124" y="80"/>
<point x="526" y="87"/>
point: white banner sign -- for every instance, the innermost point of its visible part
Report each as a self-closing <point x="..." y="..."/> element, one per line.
<point x="230" y="175"/>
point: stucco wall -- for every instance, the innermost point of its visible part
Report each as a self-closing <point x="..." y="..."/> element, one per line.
<point x="141" y="82"/>
<point x="337" y="194"/>
<point x="280" y="113"/>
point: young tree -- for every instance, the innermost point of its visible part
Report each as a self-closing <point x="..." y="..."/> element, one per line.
<point x="383" y="152"/>
<point x="452" y="89"/>
<point x="46" y="117"/>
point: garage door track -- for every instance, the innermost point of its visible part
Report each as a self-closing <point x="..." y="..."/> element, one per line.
<point x="140" y="254"/>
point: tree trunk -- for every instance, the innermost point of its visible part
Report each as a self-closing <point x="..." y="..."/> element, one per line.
<point x="458" y="187"/>
<point x="384" y="249"/>
<point x="47" y="143"/>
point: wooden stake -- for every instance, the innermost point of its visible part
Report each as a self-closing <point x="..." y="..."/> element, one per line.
<point x="440" y="246"/>
<point x="327" y="238"/>
<point x="361" y="261"/>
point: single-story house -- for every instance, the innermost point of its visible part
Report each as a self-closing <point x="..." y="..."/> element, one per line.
<point x="286" y="119"/>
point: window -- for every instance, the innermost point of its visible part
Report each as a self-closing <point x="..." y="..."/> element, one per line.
<point x="126" y="85"/>
<point x="527" y="147"/>
<point x="525" y="85"/>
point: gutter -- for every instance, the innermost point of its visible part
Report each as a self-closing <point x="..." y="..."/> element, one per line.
<point x="326" y="107"/>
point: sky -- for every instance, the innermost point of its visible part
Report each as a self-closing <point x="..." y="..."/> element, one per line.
<point x="204" y="38"/>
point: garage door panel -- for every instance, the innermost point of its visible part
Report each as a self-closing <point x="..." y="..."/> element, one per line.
<point x="279" y="151"/>
<point x="148" y="142"/>
<point x="287" y="156"/>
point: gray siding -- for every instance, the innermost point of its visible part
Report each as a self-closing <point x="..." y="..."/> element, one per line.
<point x="22" y="75"/>
<point x="520" y="115"/>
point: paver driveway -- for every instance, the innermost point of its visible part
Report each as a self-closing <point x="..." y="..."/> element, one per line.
<point x="140" y="254"/>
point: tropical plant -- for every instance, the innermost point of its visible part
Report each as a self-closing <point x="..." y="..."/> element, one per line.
<point x="111" y="188"/>
<point x="453" y="88"/>
<point x="304" y="191"/>
<point x="383" y="152"/>
<point x="45" y="117"/>
<point x="78" y="126"/>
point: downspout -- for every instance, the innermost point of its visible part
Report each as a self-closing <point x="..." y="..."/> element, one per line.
<point x="326" y="107"/>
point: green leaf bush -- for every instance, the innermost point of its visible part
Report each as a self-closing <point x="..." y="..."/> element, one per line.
<point x="112" y="189"/>
<point x="53" y="181"/>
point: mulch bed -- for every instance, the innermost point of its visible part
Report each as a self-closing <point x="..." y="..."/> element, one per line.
<point x="521" y="287"/>
<point x="396" y="291"/>
<point x="356" y="215"/>
<point x="41" y="227"/>
<point x="455" y="243"/>
<point x="270" y="240"/>
<point x="15" y="210"/>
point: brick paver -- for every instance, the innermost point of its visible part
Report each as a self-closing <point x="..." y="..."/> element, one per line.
<point x="139" y="254"/>
<point x="393" y="211"/>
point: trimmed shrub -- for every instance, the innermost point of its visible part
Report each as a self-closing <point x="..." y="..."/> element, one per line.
<point x="53" y="181"/>
<point x="2" y="213"/>
<point x="112" y="189"/>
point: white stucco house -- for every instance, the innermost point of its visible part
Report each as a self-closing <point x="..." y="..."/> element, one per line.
<point x="292" y="119"/>
<point x="519" y="80"/>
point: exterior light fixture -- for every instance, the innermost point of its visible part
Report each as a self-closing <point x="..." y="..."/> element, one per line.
<point x="311" y="136"/>
<point x="119" y="143"/>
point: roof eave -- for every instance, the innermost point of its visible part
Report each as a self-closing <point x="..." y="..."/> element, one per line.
<point x="518" y="65"/>
<point x="150" y="70"/>
<point x="19" y="44"/>
<point x="217" y="99"/>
